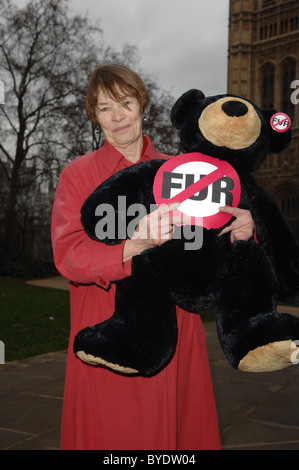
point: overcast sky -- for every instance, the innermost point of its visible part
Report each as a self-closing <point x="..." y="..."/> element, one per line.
<point x="184" y="42"/>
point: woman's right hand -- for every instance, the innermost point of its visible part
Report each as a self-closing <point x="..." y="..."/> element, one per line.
<point x="154" y="229"/>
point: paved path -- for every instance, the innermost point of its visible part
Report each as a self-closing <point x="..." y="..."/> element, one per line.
<point x="256" y="411"/>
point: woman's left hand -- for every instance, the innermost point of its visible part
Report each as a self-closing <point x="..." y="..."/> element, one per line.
<point x="242" y="227"/>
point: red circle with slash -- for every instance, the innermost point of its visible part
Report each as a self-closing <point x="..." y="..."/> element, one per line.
<point x="280" y="122"/>
<point x="201" y="184"/>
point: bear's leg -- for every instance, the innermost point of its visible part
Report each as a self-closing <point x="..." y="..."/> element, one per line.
<point x="140" y="337"/>
<point x="253" y="335"/>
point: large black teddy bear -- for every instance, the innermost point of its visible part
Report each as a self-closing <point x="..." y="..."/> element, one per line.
<point x="244" y="280"/>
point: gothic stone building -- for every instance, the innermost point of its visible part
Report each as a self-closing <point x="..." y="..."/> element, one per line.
<point x="263" y="66"/>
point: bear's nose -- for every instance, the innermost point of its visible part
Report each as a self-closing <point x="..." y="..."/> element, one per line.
<point x="234" y="108"/>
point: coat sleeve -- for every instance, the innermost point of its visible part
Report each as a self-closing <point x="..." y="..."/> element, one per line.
<point x="76" y="256"/>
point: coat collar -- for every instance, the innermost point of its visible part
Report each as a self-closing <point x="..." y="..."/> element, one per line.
<point x="113" y="160"/>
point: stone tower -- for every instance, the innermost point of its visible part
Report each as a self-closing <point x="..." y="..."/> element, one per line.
<point x="263" y="66"/>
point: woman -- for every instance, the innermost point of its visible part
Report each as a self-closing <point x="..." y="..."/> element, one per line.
<point x="174" y="409"/>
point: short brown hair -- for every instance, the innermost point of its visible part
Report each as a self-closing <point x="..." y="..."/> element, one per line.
<point x="116" y="80"/>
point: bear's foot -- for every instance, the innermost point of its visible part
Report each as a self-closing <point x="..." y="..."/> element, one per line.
<point x="272" y="357"/>
<point x="98" y="361"/>
<point x="261" y="343"/>
<point x="124" y="347"/>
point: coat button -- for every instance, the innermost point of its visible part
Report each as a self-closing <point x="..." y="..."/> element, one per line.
<point x="103" y="283"/>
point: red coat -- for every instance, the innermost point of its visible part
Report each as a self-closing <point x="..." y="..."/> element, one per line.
<point x="172" y="410"/>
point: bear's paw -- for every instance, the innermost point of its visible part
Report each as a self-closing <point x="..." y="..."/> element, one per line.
<point x="271" y="357"/>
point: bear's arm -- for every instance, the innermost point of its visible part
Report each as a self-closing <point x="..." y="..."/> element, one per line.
<point x="112" y="211"/>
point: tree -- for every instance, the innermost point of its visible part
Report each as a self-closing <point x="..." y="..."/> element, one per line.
<point x="47" y="54"/>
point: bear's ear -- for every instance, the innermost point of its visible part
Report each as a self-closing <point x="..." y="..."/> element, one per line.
<point x="278" y="141"/>
<point x="183" y="105"/>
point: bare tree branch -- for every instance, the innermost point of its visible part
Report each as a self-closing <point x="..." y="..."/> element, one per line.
<point x="47" y="54"/>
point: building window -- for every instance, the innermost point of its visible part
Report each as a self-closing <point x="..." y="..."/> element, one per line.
<point x="268" y="31"/>
<point x="268" y="2"/>
<point x="290" y="206"/>
<point x="288" y="76"/>
<point x="268" y="85"/>
<point x="273" y="30"/>
<point x="286" y="26"/>
<point x="294" y="23"/>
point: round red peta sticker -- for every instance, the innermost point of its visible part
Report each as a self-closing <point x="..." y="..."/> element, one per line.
<point x="201" y="184"/>
<point x="280" y="122"/>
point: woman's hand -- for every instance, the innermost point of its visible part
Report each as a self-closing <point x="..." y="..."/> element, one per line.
<point x="153" y="230"/>
<point x="242" y="227"/>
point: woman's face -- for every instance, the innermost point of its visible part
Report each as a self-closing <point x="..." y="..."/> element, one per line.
<point x="121" y="122"/>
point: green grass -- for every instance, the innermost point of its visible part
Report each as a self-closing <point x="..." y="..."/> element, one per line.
<point x="33" y="320"/>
